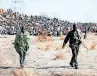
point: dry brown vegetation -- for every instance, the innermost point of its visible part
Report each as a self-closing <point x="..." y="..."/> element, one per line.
<point x="59" y="56"/>
<point x="45" y="42"/>
<point x="22" y="72"/>
<point x="93" y="46"/>
<point x="62" y="37"/>
<point x="44" y="38"/>
<point x="49" y="46"/>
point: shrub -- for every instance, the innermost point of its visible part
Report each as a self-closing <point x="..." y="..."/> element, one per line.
<point x="93" y="46"/>
<point x="22" y="72"/>
<point x="59" y="56"/>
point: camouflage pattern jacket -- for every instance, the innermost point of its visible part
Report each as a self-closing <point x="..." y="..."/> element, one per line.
<point x="22" y="41"/>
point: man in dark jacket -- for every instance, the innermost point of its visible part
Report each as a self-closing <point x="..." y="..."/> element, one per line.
<point x="74" y="42"/>
<point x="85" y="33"/>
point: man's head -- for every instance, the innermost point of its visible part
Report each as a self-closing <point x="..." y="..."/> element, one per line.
<point x="22" y="29"/>
<point x="74" y="27"/>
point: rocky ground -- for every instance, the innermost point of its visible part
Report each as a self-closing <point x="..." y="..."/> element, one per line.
<point x="47" y="58"/>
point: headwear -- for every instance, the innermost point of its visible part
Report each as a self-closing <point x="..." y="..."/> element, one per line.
<point x="74" y="26"/>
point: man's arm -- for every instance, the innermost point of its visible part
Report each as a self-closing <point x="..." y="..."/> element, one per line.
<point x="65" y="40"/>
<point x="16" y="42"/>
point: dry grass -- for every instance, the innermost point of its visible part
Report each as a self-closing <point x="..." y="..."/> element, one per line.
<point x="50" y="45"/>
<point x="93" y="46"/>
<point x="59" y="56"/>
<point x="22" y="72"/>
<point x="19" y="72"/>
<point x="45" y="42"/>
<point x="44" y="38"/>
<point x="62" y="37"/>
<point x="44" y="46"/>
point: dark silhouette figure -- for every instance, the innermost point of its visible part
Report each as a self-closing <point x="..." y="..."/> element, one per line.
<point x="85" y="35"/>
<point x="74" y="42"/>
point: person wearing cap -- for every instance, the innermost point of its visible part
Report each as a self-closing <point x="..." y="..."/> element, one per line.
<point x="21" y="44"/>
<point x="74" y="42"/>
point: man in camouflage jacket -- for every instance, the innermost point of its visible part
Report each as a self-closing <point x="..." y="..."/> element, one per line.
<point x="21" y="44"/>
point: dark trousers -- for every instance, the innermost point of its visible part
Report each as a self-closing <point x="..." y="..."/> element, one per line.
<point x="22" y="56"/>
<point x="75" y="50"/>
<point x="85" y="35"/>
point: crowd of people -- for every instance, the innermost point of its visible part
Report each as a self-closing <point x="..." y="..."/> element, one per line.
<point x="10" y="23"/>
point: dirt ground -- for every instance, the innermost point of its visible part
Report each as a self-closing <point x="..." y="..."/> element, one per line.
<point x="47" y="58"/>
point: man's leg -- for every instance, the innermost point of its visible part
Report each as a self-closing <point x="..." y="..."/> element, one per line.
<point x="22" y="57"/>
<point x="76" y="63"/>
<point x="77" y="49"/>
<point x="72" y="59"/>
<point x="72" y="62"/>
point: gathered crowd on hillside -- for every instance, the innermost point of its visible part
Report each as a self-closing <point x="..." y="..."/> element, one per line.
<point x="10" y="23"/>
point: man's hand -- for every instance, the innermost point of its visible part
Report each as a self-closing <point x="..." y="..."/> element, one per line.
<point x="63" y="46"/>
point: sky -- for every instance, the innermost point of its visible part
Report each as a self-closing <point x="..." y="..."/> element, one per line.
<point x="70" y="10"/>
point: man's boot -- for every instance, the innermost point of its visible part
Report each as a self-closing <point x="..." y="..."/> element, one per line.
<point x="21" y="65"/>
<point x="71" y="64"/>
<point x="76" y="67"/>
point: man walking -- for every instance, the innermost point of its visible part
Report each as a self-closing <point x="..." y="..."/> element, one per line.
<point x="21" y="44"/>
<point x="74" y="42"/>
<point x="85" y="33"/>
